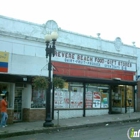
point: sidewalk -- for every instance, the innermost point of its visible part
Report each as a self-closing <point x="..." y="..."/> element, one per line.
<point x="24" y="128"/>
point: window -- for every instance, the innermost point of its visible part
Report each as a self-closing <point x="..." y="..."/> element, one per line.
<point x="38" y="99"/>
<point x="76" y="95"/>
<point x="69" y="97"/>
<point x="61" y="98"/>
<point x="97" y="96"/>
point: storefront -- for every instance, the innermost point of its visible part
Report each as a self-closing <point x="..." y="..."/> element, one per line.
<point x="89" y="90"/>
<point x="94" y="85"/>
<point x="100" y="75"/>
<point x="94" y="97"/>
<point x="17" y="94"/>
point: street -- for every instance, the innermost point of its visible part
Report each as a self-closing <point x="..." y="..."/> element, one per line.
<point x="107" y="132"/>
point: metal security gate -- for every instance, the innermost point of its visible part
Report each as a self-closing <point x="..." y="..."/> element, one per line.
<point x="18" y="104"/>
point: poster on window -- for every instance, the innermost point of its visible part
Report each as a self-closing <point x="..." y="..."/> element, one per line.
<point x="76" y="100"/>
<point x="89" y="99"/>
<point x="61" y="98"/>
<point x="104" y="100"/>
<point x="96" y="99"/>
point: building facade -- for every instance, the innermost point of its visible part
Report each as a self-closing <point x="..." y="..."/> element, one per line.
<point x="101" y="76"/>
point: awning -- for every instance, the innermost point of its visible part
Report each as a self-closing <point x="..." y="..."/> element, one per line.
<point x="97" y="80"/>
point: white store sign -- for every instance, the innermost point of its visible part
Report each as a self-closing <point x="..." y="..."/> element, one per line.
<point x="80" y="59"/>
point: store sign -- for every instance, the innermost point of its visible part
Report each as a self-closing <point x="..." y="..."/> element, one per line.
<point x="94" y="61"/>
<point x="4" y="61"/>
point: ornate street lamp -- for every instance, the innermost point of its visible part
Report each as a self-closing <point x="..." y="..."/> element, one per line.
<point x="50" y="40"/>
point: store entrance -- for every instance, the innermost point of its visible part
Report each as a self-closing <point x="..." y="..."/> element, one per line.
<point x="122" y="99"/>
<point x="118" y="99"/>
<point x="18" y="104"/>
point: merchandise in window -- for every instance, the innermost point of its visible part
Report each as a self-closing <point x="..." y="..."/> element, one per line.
<point x="97" y="96"/>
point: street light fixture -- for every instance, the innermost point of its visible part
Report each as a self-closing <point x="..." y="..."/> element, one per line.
<point x="50" y="40"/>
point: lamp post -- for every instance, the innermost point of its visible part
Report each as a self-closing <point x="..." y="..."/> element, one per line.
<point x="50" y="40"/>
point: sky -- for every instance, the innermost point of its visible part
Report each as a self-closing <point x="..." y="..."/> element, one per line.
<point x="110" y="18"/>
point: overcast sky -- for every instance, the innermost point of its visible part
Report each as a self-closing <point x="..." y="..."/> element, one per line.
<point x="110" y="18"/>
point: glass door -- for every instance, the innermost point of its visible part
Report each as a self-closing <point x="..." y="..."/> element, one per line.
<point x="122" y="99"/>
<point x="118" y="99"/>
<point x="18" y="104"/>
<point x="129" y="99"/>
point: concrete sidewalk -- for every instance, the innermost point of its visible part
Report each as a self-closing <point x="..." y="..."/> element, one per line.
<point x="24" y="128"/>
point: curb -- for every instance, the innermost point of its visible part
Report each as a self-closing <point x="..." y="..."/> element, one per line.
<point x="60" y="128"/>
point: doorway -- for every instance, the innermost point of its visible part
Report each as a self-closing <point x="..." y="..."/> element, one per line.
<point x="18" y="104"/>
<point x="122" y="99"/>
<point x="118" y="99"/>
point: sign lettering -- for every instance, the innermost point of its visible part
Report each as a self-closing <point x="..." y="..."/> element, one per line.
<point x="69" y="57"/>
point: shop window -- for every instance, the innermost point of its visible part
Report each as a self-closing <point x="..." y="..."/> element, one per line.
<point x="76" y="95"/>
<point x="97" y="96"/>
<point x="61" y="98"/>
<point x="71" y="96"/>
<point x="38" y="99"/>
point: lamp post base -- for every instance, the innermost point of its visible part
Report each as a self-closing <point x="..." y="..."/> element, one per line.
<point x="48" y="123"/>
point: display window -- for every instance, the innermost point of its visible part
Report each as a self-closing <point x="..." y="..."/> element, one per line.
<point x="71" y="96"/>
<point x="97" y="96"/>
<point x="38" y="99"/>
<point x="61" y="98"/>
<point x="76" y="95"/>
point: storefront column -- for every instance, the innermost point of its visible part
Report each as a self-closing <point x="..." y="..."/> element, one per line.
<point x="11" y="91"/>
<point x="26" y="102"/>
<point x="110" y="100"/>
<point x="84" y="100"/>
<point x="134" y="100"/>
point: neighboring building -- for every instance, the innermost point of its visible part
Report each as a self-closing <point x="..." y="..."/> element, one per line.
<point x="100" y="75"/>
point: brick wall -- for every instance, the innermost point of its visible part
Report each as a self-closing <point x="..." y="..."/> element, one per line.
<point x="10" y="113"/>
<point x="33" y="114"/>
